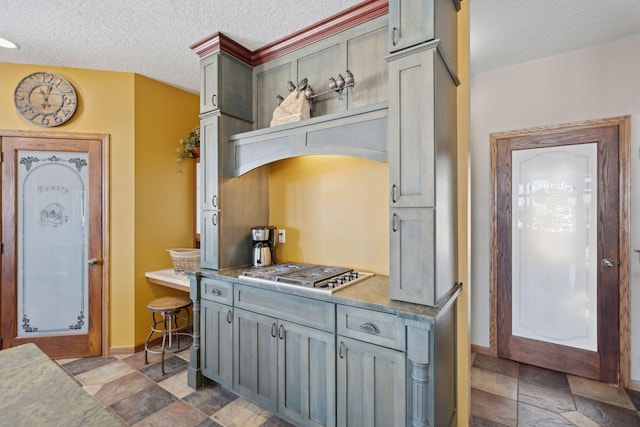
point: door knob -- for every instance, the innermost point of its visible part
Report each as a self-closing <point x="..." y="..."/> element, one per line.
<point x="93" y="261"/>
<point x="606" y="263"/>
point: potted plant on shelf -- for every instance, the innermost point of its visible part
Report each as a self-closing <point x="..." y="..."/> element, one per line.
<point x="190" y="145"/>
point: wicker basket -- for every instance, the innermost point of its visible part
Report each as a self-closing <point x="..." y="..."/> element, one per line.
<point x="185" y="259"/>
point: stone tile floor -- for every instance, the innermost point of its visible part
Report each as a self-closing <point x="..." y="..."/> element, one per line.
<point x="140" y="395"/>
<point x="508" y="393"/>
<point x="503" y="393"/>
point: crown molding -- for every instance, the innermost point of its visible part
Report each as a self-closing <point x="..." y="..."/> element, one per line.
<point x="355" y="15"/>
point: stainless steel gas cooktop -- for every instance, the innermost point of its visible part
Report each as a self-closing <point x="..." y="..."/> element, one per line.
<point x="315" y="277"/>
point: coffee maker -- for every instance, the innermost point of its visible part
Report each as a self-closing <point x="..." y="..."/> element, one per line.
<point x="264" y="245"/>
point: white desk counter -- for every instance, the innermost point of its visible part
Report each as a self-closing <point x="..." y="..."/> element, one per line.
<point x="169" y="278"/>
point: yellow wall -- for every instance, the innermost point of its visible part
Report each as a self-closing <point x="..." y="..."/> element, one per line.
<point x="335" y="211"/>
<point x="164" y="202"/>
<point x="108" y="103"/>
<point x="463" y="347"/>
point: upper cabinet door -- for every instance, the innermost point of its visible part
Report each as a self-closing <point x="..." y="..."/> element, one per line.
<point x="209" y="83"/>
<point x="209" y="170"/>
<point x="411" y="130"/>
<point x="412" y="22"/>
<point x="226" y="84"/>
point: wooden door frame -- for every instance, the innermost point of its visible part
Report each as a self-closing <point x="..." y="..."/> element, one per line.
<point x="104" y="140"/>
<point x="624" y="142"/>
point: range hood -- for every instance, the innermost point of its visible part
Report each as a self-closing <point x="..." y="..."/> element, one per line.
<point x="360" y="132"/>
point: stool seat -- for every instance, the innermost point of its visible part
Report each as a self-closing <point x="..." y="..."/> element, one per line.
<point x="169" y="310"/>
<point x="169" y="303"/>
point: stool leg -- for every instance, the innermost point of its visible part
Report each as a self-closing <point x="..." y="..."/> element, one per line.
<point x="164" y="336"/>
<point x="175" y="324"/>
<point x="146" y="342"/>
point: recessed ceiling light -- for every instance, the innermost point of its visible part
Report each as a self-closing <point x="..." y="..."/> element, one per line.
<point x="8" y="44"/>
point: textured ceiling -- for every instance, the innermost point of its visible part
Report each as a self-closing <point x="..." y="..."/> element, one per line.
<point x="508" y="32"/>
<point x="152" y="37"/>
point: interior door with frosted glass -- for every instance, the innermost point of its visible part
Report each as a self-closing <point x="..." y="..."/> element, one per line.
<point x="557" y="212"/>
<point x="51" y="275"/>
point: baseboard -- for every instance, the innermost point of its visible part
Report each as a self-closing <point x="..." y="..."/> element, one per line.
<point x="486" y="351"/>
<point x="634" y="385"/>
<point x="125" y="349"/>
<point x="131" y="349"/>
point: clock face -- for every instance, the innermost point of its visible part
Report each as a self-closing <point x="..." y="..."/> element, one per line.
<point x="45" y="99"/>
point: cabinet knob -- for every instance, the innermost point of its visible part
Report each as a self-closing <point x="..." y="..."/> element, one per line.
<point x="216" y="291"/>
<point x="214" y="201"/>
<point x="214" y="219"/>
<point x="341" y="349"/>
<point x="213" y="99"/>
<point x="394" y="34"/>
<point x="393" y="193"/>
<point x="229" y="316"/>
<point x="281" y="332"/>
<point x="274" y="329"/>
<point x="394" y="221"/>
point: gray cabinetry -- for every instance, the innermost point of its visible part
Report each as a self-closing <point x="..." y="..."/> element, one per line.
<point x="209" y="83"/>
<point x="371" y="385"/>
<point x="226" y="84"/>
<point x="226" y="214"/>
<point x="216" y="340"/>
<point x="306" y="375"/>
<point x="216" y="330"/>
<point x="284" y="366"/>
<point x="412" y="22"/>
<point x="256" y="358"/>
<point x="421" y="147"/>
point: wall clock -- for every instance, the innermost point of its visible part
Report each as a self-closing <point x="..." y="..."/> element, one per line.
<point x="45" y="99"/>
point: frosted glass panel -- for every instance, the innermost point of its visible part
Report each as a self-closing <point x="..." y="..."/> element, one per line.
<point x="52" y="243"/>
<point x="554" y="254"/>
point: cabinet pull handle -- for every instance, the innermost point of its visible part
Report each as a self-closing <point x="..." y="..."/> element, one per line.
<point x="229" y="316"/>
<point x="216" y="291"/>
<point x="393" y="193"/>
<point x="341" y="348"/>
<point x="214" y="219"/>
<point x="370" y="328"/>
<point x="213" y="98"/>
<point x="394" y="33"/>
<point x="274" y="329"/>
<point x="281" y="332"/>
<point x="394" y="221"/>
<point x="214" y="201"/>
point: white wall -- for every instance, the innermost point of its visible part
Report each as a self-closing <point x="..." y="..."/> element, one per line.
<point x="594" y="83"/>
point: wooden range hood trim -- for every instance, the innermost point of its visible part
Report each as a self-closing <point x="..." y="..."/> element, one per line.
<point x="341" y="21"/>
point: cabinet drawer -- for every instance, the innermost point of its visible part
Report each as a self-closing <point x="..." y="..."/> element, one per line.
<point x="371" y="326"/>
<point x="301" y="310"/>
<point x="217" y="290"/>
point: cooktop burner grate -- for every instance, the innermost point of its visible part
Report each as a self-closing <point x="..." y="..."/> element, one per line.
<point x="317" y="277"/>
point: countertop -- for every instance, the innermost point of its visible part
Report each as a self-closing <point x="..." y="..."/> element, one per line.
<point x="169" y="278"/>
<point x="372" y="293"/>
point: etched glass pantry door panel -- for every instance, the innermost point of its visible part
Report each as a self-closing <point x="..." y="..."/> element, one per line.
<point x="52" y="242"/>
<point x="554" y="245"/>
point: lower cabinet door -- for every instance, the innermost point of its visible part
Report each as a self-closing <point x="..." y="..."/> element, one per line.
<point x="411" y="238"/>
<point x="255" y="372"/>
<point x="371" y="385"/>
<point x="306" y="375"/>
<point x="209" y="239"/>
<point x="216" y="341"/>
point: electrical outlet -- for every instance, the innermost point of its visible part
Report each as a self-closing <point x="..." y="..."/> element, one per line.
<point x="282" y="236"/>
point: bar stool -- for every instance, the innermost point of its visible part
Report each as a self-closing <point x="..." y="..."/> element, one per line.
<point x="169" y="309"/>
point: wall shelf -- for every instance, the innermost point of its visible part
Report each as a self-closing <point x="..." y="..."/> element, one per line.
<point x="359" y="132"/>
